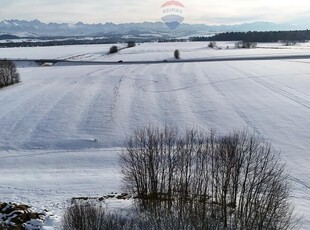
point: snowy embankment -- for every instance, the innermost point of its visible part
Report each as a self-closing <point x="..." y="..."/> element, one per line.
<point x="62" y="127"/>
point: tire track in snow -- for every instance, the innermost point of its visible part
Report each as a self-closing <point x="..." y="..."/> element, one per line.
<point x="177" y="107"/>
<point x="289" y="93"/>
<point x="241" y="114"/>
<point x="289" y="87"/>
<point x="116" y="95"/>
<point x="28" y="124"/>
<point x="193" y="106"/>
<point x="10" y="92"/>
<point x="20" y="112"/>
<point x="139" y="107"/>
<point x="38" y="126"/>
<point x="305" y="188"/>
<point x="100" y="108"/>
<point x="28" y="95"/>
<point x="284" y="91"/>
<point x="195" y="83"/>
<point x="61" y="152"/>
<point x="301" y="182"/>
<point x="28" y="190"/>
<point x="234" y="106"/>
<point x="135" y="107"/>
<point x="97" y="86"/>
<point x="79" y="56"/>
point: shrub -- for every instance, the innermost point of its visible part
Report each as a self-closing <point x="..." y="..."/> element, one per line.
<point x="131" y="44"/>
<point x="84" y="216"/>
<point x="289" y="43"/>
<point x="212" y="45"/>
<point x="235" y="181"/>
<point x="245" y="45"/>
<point x="177" y="54"/>
<point x="113" y="49"/>
<point x="8" y="73"/>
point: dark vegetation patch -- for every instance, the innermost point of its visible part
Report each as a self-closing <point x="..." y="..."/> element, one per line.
<point x="254" y="36"/>
<point x="8" y="73"/>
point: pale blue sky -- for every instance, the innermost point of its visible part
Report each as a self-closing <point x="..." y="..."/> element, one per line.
<point x="197" y="11"/>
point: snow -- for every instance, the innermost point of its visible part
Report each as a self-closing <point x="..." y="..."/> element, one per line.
<point x="63" y="127"/>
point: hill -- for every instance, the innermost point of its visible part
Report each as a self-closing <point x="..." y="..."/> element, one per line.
<point x="62" y="127"/>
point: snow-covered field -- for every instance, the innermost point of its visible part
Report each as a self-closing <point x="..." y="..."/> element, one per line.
<point x="62" y="127"/>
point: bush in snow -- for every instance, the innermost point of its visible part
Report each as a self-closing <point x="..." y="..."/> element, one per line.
<point x="131" y="44"/>
<point x="8" y="73"/>
<point x="245" y="45"/>
<point x="289" y="43"/>
<point x="177" y="54"/>
<point x="205" y="181"/>
<point x="212" y="45"/>
<point x="89" y="216"/>
<point x="113" y="49"/>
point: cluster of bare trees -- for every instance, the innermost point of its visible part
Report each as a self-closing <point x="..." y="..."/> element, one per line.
<point x="131" y="44"/>
<point x="89" y="216"/>
<point x="8" y="73"/>
<point x="212" y="44"/>
<point x="196" y="180"/>
<point x="245" y="45"/>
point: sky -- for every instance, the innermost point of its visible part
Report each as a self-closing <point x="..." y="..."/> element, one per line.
<point x="211" y="12"/>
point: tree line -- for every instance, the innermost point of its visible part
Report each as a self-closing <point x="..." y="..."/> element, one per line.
<point x="110" y="40"/>
<point x="255" y="36"/>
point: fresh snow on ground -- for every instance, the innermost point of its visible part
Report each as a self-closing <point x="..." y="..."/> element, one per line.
<point x="63" y="127"/>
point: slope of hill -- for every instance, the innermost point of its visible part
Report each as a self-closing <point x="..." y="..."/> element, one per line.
<point x="8" y="36"/>
<point x="62" y="127"/>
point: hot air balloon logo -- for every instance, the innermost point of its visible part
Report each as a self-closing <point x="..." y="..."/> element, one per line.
<point x="173" y="12"/>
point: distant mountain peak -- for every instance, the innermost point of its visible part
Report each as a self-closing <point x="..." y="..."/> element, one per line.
<point x="38" y="28"/>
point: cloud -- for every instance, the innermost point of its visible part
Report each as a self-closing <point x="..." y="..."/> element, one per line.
<point x="197" y="11"/>
<point x="239" y="11"/>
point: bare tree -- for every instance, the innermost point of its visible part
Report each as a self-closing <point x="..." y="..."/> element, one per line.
<point x="150" y="161"/>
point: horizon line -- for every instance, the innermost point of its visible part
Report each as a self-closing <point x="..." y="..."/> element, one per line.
<point x="120" y="23"/>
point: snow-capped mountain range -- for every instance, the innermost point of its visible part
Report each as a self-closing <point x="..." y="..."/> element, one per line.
<point x="37" y="28"/>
